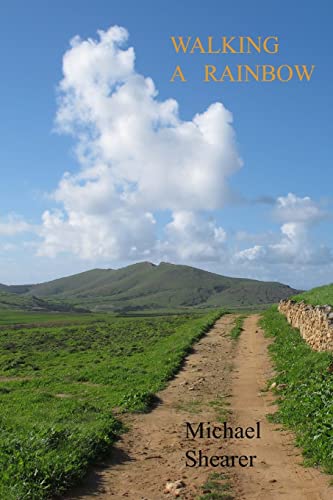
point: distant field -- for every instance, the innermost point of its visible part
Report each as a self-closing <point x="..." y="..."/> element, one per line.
<point x="60" y="383"/>
<point x="317" y="296"/>
<point x="33" y="318"/>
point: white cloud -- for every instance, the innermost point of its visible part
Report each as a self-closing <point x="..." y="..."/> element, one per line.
<point x="137" y="156"/>
<point x="251" y="254"/>
<point x="122" y="234"/>
<point x="191" y="237"/>
<point x="295" y="245"/>
<point x="291" y="208"/>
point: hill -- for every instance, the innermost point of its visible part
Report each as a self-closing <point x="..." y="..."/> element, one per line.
<point x="321" y="295"/>
<point x="165" y="286"/>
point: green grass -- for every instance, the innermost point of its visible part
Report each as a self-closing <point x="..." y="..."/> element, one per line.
<point x="193" y="406"/>
<point x="217" y="487"/>
<point x="238" y="327"/>
<point x="221" y="407"/>
<point x="306" y="402"/>
<point x="59" y="386"/>
<point x="37" y="318"/>
<point x="317" y="296"/>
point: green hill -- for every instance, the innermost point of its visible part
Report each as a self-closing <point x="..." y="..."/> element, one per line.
<point x="165" y="286"/>
<point x="71" y="285"/>
<point x="321" y="295"/>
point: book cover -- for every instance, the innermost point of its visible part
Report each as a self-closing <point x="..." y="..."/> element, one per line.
<point x="166" y="307"/>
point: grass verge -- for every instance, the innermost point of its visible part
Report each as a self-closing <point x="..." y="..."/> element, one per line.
<point x="321" y="295"/>
<point x="305" y="390"/>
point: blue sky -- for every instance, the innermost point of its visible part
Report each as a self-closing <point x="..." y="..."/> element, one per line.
<point x="282" y="132"/>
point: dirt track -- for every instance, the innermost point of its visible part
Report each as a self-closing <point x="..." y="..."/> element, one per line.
<point x="278" y="473"/>
<point x="152" y="453"/>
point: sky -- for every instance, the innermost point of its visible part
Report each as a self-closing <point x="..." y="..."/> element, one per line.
<point x="105" y="162"/>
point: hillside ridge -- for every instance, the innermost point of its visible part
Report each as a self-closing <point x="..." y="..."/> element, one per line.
<point x="145" y="285"/>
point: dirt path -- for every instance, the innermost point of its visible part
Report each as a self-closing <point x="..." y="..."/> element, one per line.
<point x="152" y="453"/>
<point x="277" y="473"/>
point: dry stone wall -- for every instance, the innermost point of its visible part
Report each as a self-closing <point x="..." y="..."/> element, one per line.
<point x="314" y="322"/>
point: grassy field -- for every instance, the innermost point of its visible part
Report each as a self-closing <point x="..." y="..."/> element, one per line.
<point x="32" y="319"/>
<point x="321" y="295"/>
<point x="305" y="387"/>
<point x="59" y="384"/>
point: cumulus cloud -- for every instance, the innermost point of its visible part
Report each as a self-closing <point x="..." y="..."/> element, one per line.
<point x="295" y="245"/>
<point x="298" y="210"/>
<point x="121" y="234"/>
<point x="137" y="157"/>
<point x="251" y="254"/>
<point x="191" y="237"/>
<point x="140" y="163"/>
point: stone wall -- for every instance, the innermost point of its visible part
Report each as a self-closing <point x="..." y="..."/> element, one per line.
<point x="314" y="322"/>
